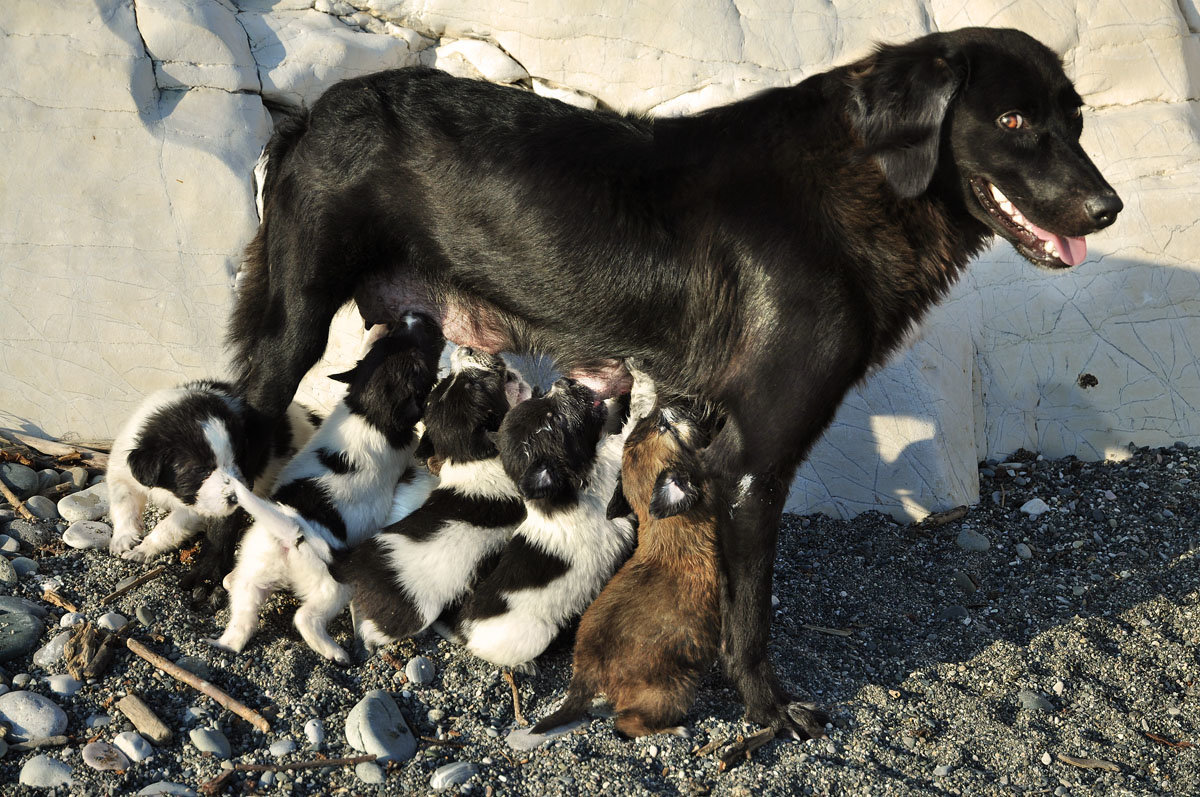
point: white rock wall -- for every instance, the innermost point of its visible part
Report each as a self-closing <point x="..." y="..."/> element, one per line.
<point x="131" y="129"/>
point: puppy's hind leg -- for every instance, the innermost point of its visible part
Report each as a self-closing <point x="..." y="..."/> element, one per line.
<point x="579" y="698"/>
<point x="312" y="619"/>
<point x="170" y="533"/>
<point x="249" y="585"/>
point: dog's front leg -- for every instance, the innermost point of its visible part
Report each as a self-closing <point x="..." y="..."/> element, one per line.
<point x="747" y="535"/>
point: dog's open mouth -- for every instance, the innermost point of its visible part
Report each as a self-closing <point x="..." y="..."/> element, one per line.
<point x="1041" y="246"/>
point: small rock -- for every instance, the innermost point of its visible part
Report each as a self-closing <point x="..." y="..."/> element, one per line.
<point x="42" y="507"/>
<point x="44" y="772"/>
<point x="24" y="565"/>
<point x="11" y="605"/>
<point x="314" y="730"/>
<point x="163" y="787"/>
<point x="282" y="747"/>
<point x="89" y="504"/>
<point x="1059" y="686"/>
<point x="453" y="774"/>
<point x="98" y="720"/>
<point x="145" y="616"/>
<point x="78" y="477"/>
<point x="133" y="745"/>
<point x="210" y="740"/>
<point x="63" y="685"/>
<point x="436" y="715"/>
<point x="49" y="654"/>
<point x="30" y="534"/>
<point x="965" y="582"/>
<point x="1024" y="551"/>
<point x="419" y="670"/>
<point x="19" y="634"/>
<point x="20" y="479"/>
<point x="112" y="622"/>
<point x="369" y="772"/>
<point x="1035" y="507"/>
<point x="103" y="756"/>
<point x="85" y="534"/>
<point x="8" y="573"/>
<point x="521" y="739"/>
<point x="70" y="620"/>
<point x="31" y="716"/>
<point x="196" y="666"/>
<point x="942" y="771"/>
<point x="954" y="612"/>
<point x="1032" y="701"/>
<point x="9" y="544"/>
<point x="22" y="680"/>
<point x="47" y="477"/>
<point x="971" y="540"/>
<point x="375" y="725"/>
<point x="1046" y="759"/>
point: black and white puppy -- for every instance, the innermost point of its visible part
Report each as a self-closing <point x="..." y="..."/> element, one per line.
<point x="560" y="557"/>
<point x="183" y="450"/>
<point x="339" y="490"/>
<point x="403" y="578"/>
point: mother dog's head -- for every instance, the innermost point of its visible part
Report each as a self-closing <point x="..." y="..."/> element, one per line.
<point x="989" y="115"/>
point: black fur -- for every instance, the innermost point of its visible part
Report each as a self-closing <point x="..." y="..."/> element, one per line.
<point x="310" y="499"/>
<point x="760" y="256"/>
<point x="520" y="566"/>
<point x="335" y="461"/>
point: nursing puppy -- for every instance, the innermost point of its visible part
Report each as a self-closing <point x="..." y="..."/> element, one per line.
<point x="562" y="554"/>
<point x="337" y="491"/>
<point x="656" y="627"/>
<point x="404" y="577"/>
<point x="183" y="450"/>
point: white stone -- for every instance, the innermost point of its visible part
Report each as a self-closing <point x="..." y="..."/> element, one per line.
<point x="44" y="772"/>
<point x="85" y="534"/>
<point x="63" y="685"/>
<point x="133" y="745"/>
<point x="488" y="61"/>
<point x="579" y="99"/>
<point x="1035" y="507"/>
<point x="111" y="621"/>
<point x="85" y="505"/>
<point x="31" y="716"/>
<point x="197" y="43"/>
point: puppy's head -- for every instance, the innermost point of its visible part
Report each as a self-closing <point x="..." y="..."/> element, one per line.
<point x="389" y="385"/>
<point x="662" y="474"/>
<point x="548" y="444"/>
<point x="190" y="455"/>
<point x="465" y="409"/>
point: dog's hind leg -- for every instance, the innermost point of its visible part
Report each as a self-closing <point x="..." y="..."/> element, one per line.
<point x="170" y="533"/>
<point x="312" y="619"/>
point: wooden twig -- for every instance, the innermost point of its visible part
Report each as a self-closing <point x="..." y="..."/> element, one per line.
<point x="1089" y="763"/>
<point x="52" y="597"/>
<point x="34" y="744"/>
<point x="517" y="715"/>
<point x="16" y="503"/>
<point x="144" y="719"/>
<point x="823" y="630"/>
<point x="741" y="749"/>
<point x="137" y="582"/>
<point x="53" y="448"/>
<point x="443" y="742"/>
<point x="711" y="746"/>
<point x="387" y="656"/>
<point x="214" y="785"/>
<point x="1154" y="737"/>
<point x="199" y="684"/>
<point x="942" y="518"/>
<point x="57" y="491"/>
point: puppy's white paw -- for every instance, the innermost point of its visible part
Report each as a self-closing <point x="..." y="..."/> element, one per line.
<point x="120" y="544"/>
<point x="138" y="554"/>
<point x="222" y="644"/>
<point x="526" y="668"/>
<point x="338" y="656"/>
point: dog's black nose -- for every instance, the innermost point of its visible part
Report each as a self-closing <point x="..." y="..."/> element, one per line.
<point x="1103" y="208"/>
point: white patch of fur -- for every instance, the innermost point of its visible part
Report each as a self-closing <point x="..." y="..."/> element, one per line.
<point x="483" y="478"/>
<point x="411" y="495"/>
<point x="260" y="182"/>
<point x="271" y="555"/>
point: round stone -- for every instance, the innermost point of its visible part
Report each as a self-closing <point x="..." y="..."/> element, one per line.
<point x="31" y="716"/>
<point x="63" y="685"/>
<point x="419" y="670"/>
<point x="112" y="622"/>
<point x="453" y="774"/>
<point x="44" y="772"/>
<point x="85" y="534"/>
<point x="24" y="565"/>
<point x="103" y="756"/>
<point x="210" y="740"/>
<point x="164" y="787"/>
<point x="78" y="476"/>
<point x="375" y="725"/>
<point x="21" y="479"/>
<point x="145" y="616"/>
<point x="369" y="772"/>
<point x="47" y="477"/>
<point x="8" y="603"/>
<point x="971" y="540"/>
<point x="282" y="747"/>
<point x="133" y="745"/>
<point x="71" y="619"/>
<point x="49" y="654"/>
<point x="8" y="574"/>
<point x="1032" y="701"/>
<point x="89" y="504"/>
<point x="9" y="545"/>
<point x="42" y="507"/>
<point x="31" y="534"/>
<point x="1035" y="507"/>
<point x="1024" y="551"/>
<point x="19" y="634"/>
<point x="314" y="730"/>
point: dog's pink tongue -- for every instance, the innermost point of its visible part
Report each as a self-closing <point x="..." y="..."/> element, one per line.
<point x="1071" y="251"/>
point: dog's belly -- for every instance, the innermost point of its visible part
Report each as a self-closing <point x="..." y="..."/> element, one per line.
<point x="385" y="298"/>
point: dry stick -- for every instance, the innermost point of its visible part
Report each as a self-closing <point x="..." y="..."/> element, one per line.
<point x="744" y="747"/>
<point x="216" y="783"/>
<point x="137" y="582"/>
<point x="52" y="597"/>
<point x="443" y="742"/>
<point x="823" y="630"/>
<point x="517" y="715"/>
<point x="16" y="503"/>
<point x="1089" y="763"/>
<point x="942" y="518"/>
<point x="199" y="684"/>
<point x="708" y="748"/>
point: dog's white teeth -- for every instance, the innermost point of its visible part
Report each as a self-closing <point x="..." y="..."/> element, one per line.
<point x="996" y="195"/>
<point x="1050" y="248"/>
<point x="1018" y="218"/>
<point x="1007" y="207"/>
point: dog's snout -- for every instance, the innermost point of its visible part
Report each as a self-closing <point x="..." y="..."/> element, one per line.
<point x="467" y="351"/>
<point x="1103" y="208"/>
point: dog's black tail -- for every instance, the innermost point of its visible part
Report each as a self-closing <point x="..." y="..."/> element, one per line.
<point x="254" y="279"/>
<point x="579" y="698"/>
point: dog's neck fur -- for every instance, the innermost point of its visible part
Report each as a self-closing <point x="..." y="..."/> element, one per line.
<point x="481" y="478"/>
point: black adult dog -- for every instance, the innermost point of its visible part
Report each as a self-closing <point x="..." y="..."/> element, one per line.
<point x="760" y="256"/>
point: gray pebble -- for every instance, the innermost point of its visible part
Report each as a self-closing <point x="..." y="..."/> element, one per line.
<point x="31" y="716"/>
<point x="971" y="540"/>
<point x="30" y="534"/>
<point x="196" y="666"/>
<point x="522" y="739"/>
<point x="942" y="771"/>
<point x="282" y="747"/>
<point x="21" y="479"/>
<point x="112" y="621"/>
<point x="369" y="772"/>
<point x="49" y="654"/>
<point x="1046" y="759"/>
<point x="71" y="619"/>
<point x="314" y="730"/>
<point x="453" y="774"/>
<point x="8" y="574"/>
<point x="1024" y="551"/>
<point x="133" y="745"/>
<point x="44" y="772"/>
<point x="42" y="507"/>
<point x="22" y="680"/>
<point x="954" y="612"/>
<point x="63" y="685"/>
<point x="1035" y="507"/>
<point x="24" y="565"/>
<point x="89" y="504"/>
<point x="163" y="787"/>
<point x="98" y="720"/>
<point x="47" y="477"/>
<point x="9" y="544"/>
<point x="85" y="534"/>
<point x="1033" y="701"/>
<point x="419" y="670"/>
<point x="19" y="634"/>
<point x="145" y="616"/>
<point x="10" y="604"/>
<point x="79" y="477"/>
<point x="965" y="582"/>
<point x="210" y="740"/>
<point x="436" y="715"/>
<point x="375" y="725"/>
<point x="103" y="756"/>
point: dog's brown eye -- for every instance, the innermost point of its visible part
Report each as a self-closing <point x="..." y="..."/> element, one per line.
<point x="1011" y="121"/>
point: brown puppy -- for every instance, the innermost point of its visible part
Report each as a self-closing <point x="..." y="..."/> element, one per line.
<point x="656" y="627"/>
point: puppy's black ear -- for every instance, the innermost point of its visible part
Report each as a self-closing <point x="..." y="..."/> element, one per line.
<point x="674" y="494"/>
<point x="541" y="481"/>
<point x="898" y="100"/>
<point x="346" y="377"/>
<point x="145" y="465"/>
<point x="424" y="449"/>
<point x="618" y="505"/>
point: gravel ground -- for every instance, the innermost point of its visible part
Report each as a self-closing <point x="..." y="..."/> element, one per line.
<point x="948" y="670"/>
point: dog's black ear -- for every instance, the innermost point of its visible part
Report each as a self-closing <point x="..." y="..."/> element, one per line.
<point x="541" y="481"/>
<point x="618" y="505"/>
<point x="674" y="494"/>
<point x="424" y="449"/>
<point x="145" y="465"/>
<point x="346" y="377"/>
<point x="898" y="101"/>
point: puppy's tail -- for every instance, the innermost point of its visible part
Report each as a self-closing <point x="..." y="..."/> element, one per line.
<point x="579" y="699"/>
<point x="271" y="516"/>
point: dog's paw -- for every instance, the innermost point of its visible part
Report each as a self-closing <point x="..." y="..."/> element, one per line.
<point x="338" y="657"/>
<point x="121" y="544"/>
<point x="138" y="554"/>
<point x="227" y="645"/>
<point x="794" y="720"/>
<point x="526" y="668"/>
